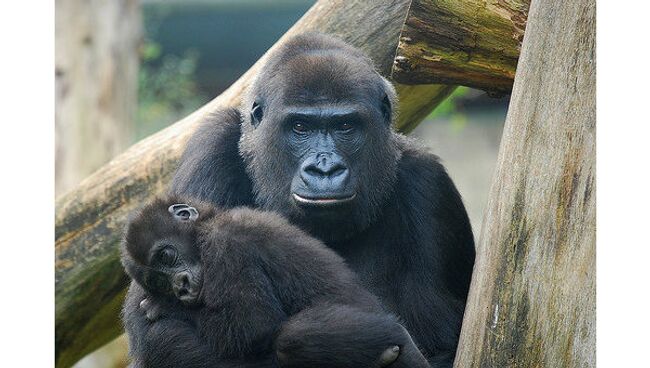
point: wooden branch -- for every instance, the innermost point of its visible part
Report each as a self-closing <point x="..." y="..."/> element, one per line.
<point x="89" y="219"/>
<point x="473" y="43"/>
<point x="532" y="301"/>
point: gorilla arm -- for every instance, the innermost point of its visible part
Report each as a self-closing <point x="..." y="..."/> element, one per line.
<point x="171" y="342"/>
<point x="165" y="342"/>
<point x="440" y="255"/>
<point x="211" y="168"/>
<point x="335" y="335"/>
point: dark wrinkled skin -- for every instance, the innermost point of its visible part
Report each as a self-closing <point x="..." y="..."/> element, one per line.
<point x="313" y="141"/>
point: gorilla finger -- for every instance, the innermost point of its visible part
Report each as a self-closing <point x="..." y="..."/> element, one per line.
<point x="388" y="356"/>
<point x="145" y="304"/>
<point x="153" y="314"/>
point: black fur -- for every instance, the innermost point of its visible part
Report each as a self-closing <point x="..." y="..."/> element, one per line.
<point x="258" y="272"/>
<point x="405" y="233"/>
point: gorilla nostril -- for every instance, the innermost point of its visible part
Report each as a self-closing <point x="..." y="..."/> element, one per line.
<point x="338" y="171"/>
<point x="182" y="281"/>
<point x="326" y="172"/>
<point x="314" y="171"/>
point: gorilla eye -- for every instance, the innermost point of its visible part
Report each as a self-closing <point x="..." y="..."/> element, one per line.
<point x="346" y="127"/>
<point x="300" y="127"/>
<point x="167" y="256"/>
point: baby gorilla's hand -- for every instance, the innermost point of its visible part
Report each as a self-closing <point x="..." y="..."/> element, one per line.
<point x="388" y="356"/>
<point x="151" y="310"/>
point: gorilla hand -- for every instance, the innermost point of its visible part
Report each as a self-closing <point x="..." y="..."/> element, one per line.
<point x="388" y="356"/>
<point x="151" y="310"/>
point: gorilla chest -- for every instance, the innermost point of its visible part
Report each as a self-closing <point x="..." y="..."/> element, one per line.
<point x="375" y="265"/>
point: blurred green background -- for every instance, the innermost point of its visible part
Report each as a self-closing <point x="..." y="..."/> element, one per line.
<point x="192" y="50"/>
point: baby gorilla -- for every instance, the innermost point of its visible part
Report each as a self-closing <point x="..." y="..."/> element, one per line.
<point x="241" y="288"/>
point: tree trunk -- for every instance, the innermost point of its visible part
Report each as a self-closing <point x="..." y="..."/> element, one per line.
<point x="89" y="220"/>
<point x="532" y="300"/>
<point x="96" y="65"/>
<point x="474" y="43"/>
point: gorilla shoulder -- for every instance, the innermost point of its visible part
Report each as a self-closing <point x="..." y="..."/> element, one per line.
<point x="424" y="186"/>
<point x="417" y="163"/>
<point x="211" y="167"/>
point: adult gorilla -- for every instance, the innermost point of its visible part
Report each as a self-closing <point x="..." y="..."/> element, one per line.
<point x="313" y="141"/>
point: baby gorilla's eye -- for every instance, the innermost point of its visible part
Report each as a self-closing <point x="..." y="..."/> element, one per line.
<point x="167" y="256"/>
<point x="299" y="127"/>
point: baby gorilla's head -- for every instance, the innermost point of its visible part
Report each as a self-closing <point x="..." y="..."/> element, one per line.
<point x="160" y="250"/>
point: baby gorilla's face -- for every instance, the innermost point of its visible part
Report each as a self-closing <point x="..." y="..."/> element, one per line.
<point x="175" y="268"/>
<point x="160" y="249"/>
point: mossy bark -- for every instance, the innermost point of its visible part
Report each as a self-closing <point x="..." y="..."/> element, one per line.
<point x="472" y="43"/>
<point x="532" y="301"/>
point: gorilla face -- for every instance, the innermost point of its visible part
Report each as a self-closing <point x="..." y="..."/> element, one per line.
<point x="161" y="253"/>
<point x="175" y="269"/>
<point x="318" y="141"/>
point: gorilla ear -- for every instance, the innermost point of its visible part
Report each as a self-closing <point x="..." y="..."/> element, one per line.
<point x="386" y="109"/>
<point x="256" y="114"/>
<point x="183" y="212"/>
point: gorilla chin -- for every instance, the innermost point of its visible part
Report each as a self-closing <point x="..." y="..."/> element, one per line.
<point x="327" y="216"/>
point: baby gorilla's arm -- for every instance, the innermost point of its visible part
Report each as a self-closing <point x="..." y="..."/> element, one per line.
<point x="176" y="344"/>
<point x="331" y="336"/>
<point x="158" y="339"/>
<point x="166" y="342"/>
<point x="172" y="343"/>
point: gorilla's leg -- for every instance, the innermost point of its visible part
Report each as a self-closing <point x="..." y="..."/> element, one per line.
<point x="338" y="336"/>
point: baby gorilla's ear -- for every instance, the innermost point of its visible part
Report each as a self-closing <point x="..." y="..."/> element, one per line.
<point x="183" y="212"/>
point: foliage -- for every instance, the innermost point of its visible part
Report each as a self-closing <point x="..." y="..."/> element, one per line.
<point x="167" y="89"/>
<point x="451" y="109"/>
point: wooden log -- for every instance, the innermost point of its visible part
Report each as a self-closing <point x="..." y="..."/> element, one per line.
<point x="472" y="43"/>
<point x="532" y="301"/>
<point x="89" y="219"/>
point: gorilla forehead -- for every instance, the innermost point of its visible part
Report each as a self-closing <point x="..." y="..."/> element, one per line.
<point x="154" y="222"/>
<point x="315" y="78"/>
<point x="314" y="68"/>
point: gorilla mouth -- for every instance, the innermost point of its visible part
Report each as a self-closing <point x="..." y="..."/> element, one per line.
<point x="323" y="201"/>
<point x="188" y="296"/>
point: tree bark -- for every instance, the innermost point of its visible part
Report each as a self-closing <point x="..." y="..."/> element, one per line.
<point x="473" y="43"/>
<point x="532" y="299"/>
<point x="89" y="220"/>
<point x="96" y="66"/>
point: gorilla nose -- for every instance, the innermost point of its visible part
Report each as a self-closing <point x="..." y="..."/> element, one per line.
<point x="325" y="172"/>
<point x="182" y="280"/>
<point x="184" y="287"/>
